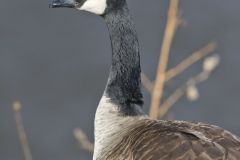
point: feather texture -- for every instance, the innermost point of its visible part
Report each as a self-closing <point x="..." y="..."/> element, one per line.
<point x="174" y="140"/>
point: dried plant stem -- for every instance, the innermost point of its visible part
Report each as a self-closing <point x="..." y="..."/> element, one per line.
<point x="186" y="63"/>
<point x="146" y="82"/>
<point x="180" y="92"/>
<point x="201" y="77"/>
<point x="170" y="30"/>
<point x="21" y="131"/>
<point x="83" y="140"/>
<point x="181" y="67"/>
<point x="167" y="105"/>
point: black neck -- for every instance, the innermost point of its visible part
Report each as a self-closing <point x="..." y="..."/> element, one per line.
<point x="124" y="81"/>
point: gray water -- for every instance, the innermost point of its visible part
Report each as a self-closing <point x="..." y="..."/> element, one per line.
<point x="56" y="62"/>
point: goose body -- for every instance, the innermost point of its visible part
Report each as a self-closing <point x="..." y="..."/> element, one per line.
<point x="122" y="130"/>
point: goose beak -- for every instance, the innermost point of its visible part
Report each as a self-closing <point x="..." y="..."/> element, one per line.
<point x="62" y="4"/>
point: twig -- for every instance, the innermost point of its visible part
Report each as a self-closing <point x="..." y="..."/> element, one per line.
<point x="172" y="24"/>
<point x="83" y="140"/>
<point x="21" y="131"/>
<point x="186" y="63"/>
<point x="146" y="82"/>
<point x="181" y="67"/>
<point x="177" y="94"/>
<point x="180" y="92"/>
<point x="201" y="77"/>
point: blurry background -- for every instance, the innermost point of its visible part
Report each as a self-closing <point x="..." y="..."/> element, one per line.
<point x="55" y="61"/>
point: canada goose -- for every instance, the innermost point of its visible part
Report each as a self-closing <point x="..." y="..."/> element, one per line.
<point x="122" y="130"/>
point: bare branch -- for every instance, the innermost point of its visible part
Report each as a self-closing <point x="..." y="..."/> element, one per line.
<point x="172" y="24"/>
<point x="172" y="99"/>
<point x="180" y="92"/>
<point x="83" y="140"/>
<point x="181" y="67"/>
<point x="21" y="131"/>
<point x="146" y="82"/>
<point x="186" y="63"/>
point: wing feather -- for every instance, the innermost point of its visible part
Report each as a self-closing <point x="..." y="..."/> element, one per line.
<point x="176" y="140"/>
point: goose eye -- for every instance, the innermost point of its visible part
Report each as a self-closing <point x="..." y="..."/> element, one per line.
<point x="79" y="3"/>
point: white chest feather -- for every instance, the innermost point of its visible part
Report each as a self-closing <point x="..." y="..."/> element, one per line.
<point x="94" y="6"/>
<point x="110" y="126"/>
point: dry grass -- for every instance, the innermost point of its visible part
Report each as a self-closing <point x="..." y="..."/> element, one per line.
<point x="21" y="130"/>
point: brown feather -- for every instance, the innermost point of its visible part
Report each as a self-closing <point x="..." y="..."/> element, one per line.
<point x="175" y="140"/>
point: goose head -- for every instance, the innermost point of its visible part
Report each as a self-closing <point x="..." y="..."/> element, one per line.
<point x="98" y="7"/>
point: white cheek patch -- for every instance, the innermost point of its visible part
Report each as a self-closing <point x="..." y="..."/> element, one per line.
<point x="94" y="6"/>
